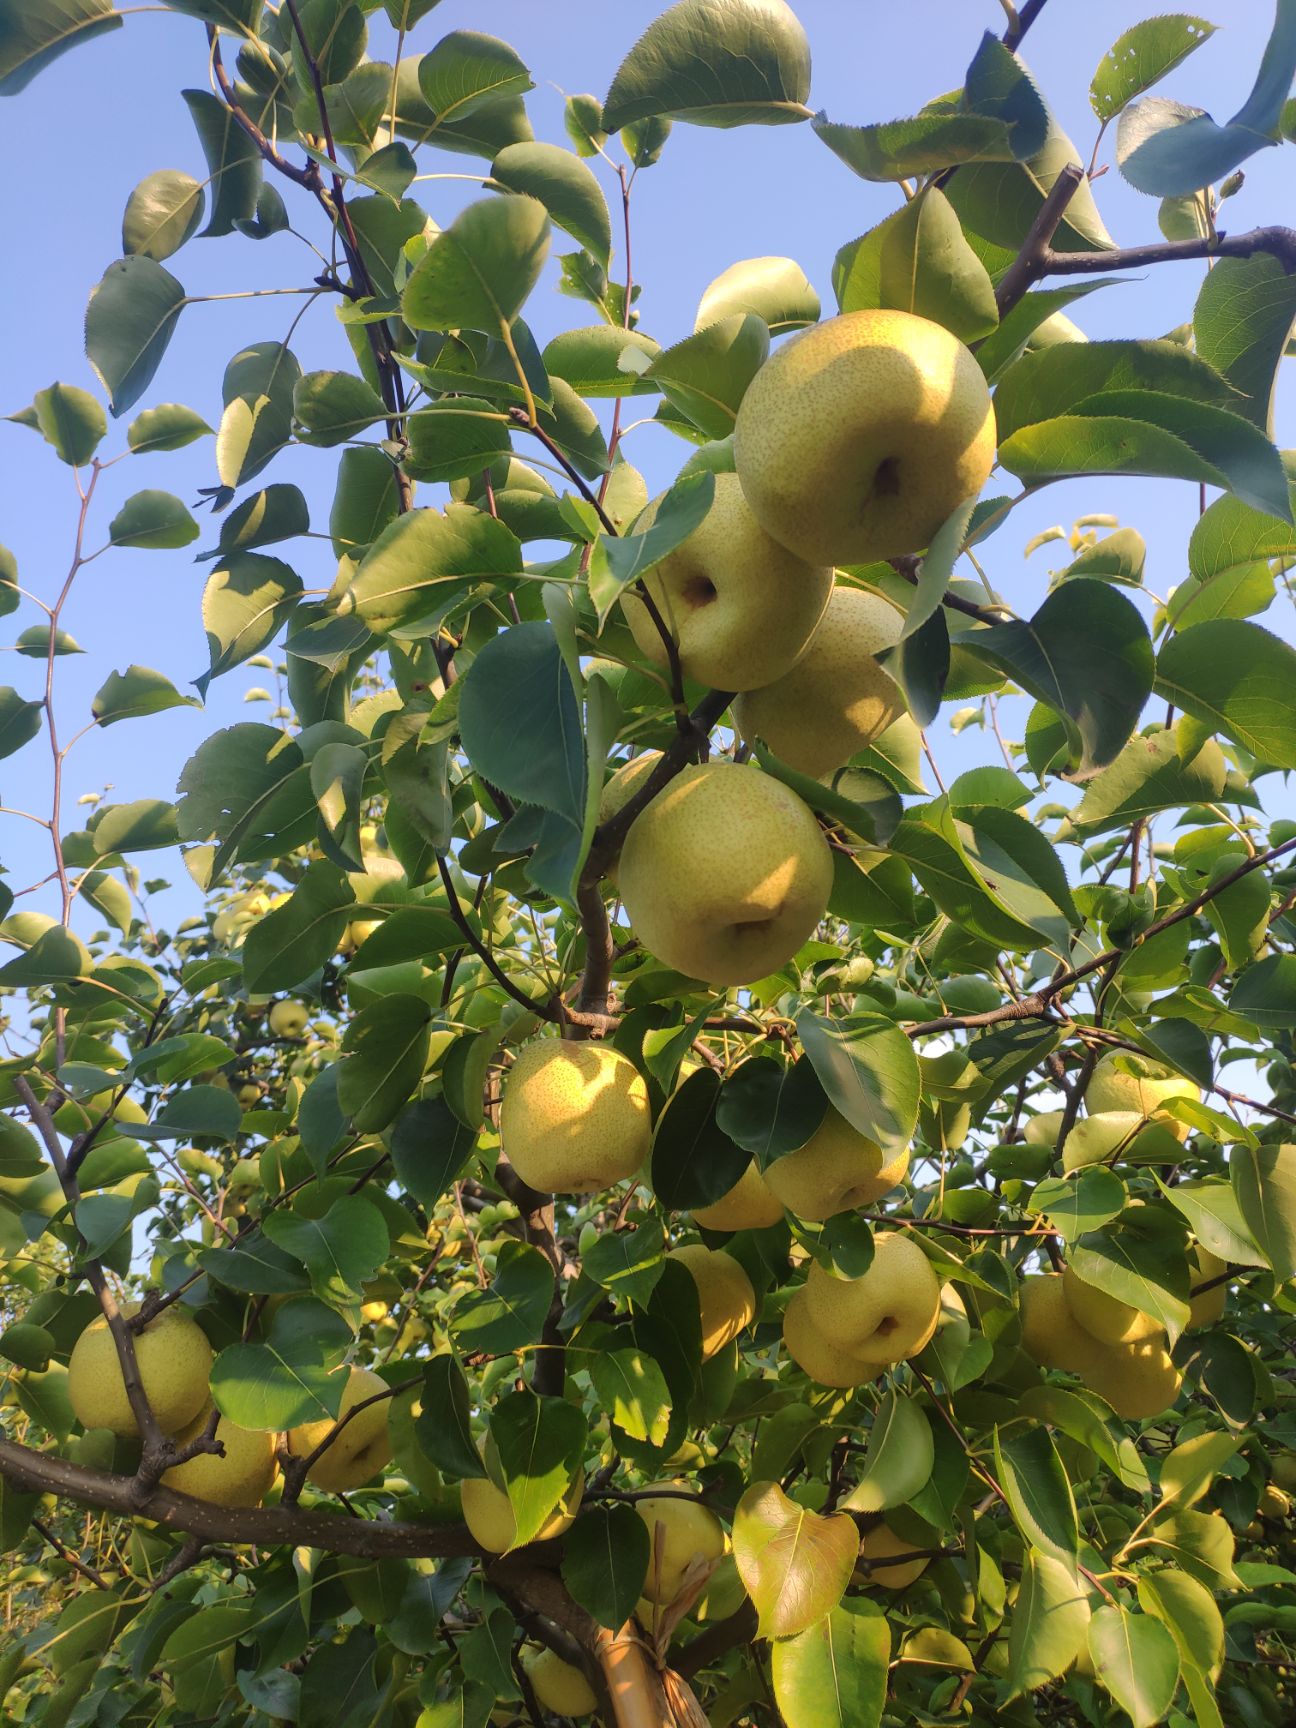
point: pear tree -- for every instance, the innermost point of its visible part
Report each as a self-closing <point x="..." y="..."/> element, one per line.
<point x="574" y="1171"/>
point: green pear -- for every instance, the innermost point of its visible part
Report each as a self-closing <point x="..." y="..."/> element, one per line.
<point x="174" y="1361"/>
<point x="837" y="1170"/>
<point x="242" y="1477"/>
<point x="558" y="1686"/>
<point x="725" y="1295"/>
<point x="683" y="1531"/>
<point x="575" y="1117"/>
<point x="1124" y="1080"/>
<point x="888" y="1313"/>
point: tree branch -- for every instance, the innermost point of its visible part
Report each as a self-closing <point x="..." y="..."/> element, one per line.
<point x="483" y="953"/>
<point x="1025" y="18"/>
<point x="1025" y="267"/>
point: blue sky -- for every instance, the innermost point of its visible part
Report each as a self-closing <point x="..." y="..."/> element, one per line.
<point x="101" y="118"/>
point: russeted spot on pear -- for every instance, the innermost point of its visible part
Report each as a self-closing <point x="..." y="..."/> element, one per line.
<point x="888" y="1313"/>
<point x="859" y="437"/>
<point x="725" y="1296"/>
<point x="877" y="1548"/>
<point x="558" y="1686"/>
<point x="751" y="1204"/>
<point x="1123" y="1080"/>
<point x="824" y="1361"/>
<point x="725" y="874"/>
<point x="362" y="1448"/>
<point x="575" y="1117"/>
<point x="174" y="1360"/>
<point x="837" y="1170"/>
<point x="241" y="1477"/>
<point x="683" y="1532"/>
<point x="739" y="606"/>
<point x="837" y="699"/>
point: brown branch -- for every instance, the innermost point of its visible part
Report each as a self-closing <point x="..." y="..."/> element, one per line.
<point x="708" y="1646"/>
<point x="312" y="1458"/>
<point x="74" y="1560"/>
<point x="309" y="177"/>
<point x="35" y="1472"/>
<point x="544" y="1009"/>
<point x="549" y="1376"/>
<point x="1025" y="267"/>
<point x="910" y="566"/>
<point x="1279" y="242"/>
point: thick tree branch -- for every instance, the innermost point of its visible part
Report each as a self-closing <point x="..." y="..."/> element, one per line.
<point x="1024" y="269"/>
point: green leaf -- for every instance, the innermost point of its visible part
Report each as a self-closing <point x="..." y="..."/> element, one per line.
<point x="102" y="1218"/>
<point x="1191" y="1615"/>
<point x="605" y="1561"/>
<point x="1084" y="1417"/>
<point x="34" y="642"/>
<point x="589" y="360"/>
<point x="997" y="84"/>
<point x="479" y="271"/>
<point x="869" y="1071"/>
<point x="927" y="267"/>
<point x="834" y="1674"/>
<point x="794" y="1564"/>
<point x="520" y="720"/>
<point x="55" y="957"/>
<point x="170" y="426"/>
<point x="1264" y="1180"/>
<point x="706" y="375"/>
<point x="777" y="290"/>
<point x="1241" y="323"/>
<point x="574" y="427"/>
<point x="139" y="827"/>
<point x="337" y="774"/>
<point x="468" y="71"/>
<point x="410" y="933"/>
<point x="233" y="162"/>
<point x="20" y="721"/>
<point x="340" y="1250"/>
<point x="1087" y="655"/>
<point x="34" y="32"/>
<point x="1141" y="57"/>
<point x="71" y="420"/>
<point x="255" y="1267"/>
<point x="443" y="1427"/>
<point x="560" y="181"/>
<point x="1211" y="1208"/>
<point x="540" y="1442"/>
<point x="430" y="1147"/>
<point x="511" y="1313"/>
<point x="694" y="1161"/>
<point x="385" y="1051"/>
<point x="1135" y="1658"/>
<point x="1192" y="1466"/>
<point x="899" y="1458"/>
<point x="1000" y="200"/>
<point x="1239" y="679"/>
<point x="156" y="520"/>
<point x="632" y="1390"/>
<point x="627" y="1262"/>
<point x="1003" y="346"/>
<point x="1263" y="994"/>
<point x="1150" y="775"/>
<point x="1076" y="1204"/>
<point x="937" y="567"/>
<point x="162" y="213"/>
<point x="333" y="407"/>
<point x="1062" y="378"/>
<point x="770" y="1108"/>
<point x="1039" y="1494"/>
<point x="134" y="694"/>
<point x="424" y="560"/>
<point x="246" y="602"/>
<point x="276" y="1385"/>
<point x="1228" y="555"/>
<point x="1139" y="1260"/>
<point x="455" y="439"/>
<point x="20" y="1151"/>
<point x="1050" y="1618"/>
<point x="257" y="422"/>
<point x="715" y="63"/>
<point x="275" y="513"/>
<point x="295" y="939"/>
<point x="203" y="1112"/>
<point x="130" y="319"/>
<point x="624" y="559"/>
<point x="901" y="149"/>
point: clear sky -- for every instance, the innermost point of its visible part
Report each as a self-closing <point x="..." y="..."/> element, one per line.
<point x="109" y="112"/>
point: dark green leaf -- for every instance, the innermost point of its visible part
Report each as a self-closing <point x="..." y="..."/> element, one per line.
<point x="135" y="693"/>
<point x="1239" y="679"/>
<point x="430" y="1147"/>
<point x="248" y="599"/>
<point x="1039" y="1494"/>
<point x="233" y="162"/>
<point x="1075" y="1204"/>
<point x="385" y="1050"/>
<point x="868" y="1069"/>
<point x="1264" y="1180"/>
<point x="340" y="1250"/>
<point x="1241" y="323"/>
<point x="156" y="520"/>
<point x="520" y="721"/>
<point x="605" y="1562"/>
<point x="706" y="375"/>
<point x="170" y="426"/>
<point x="565" y="186"/>
<point x="129" y="320"/>
<point x="443" y="1428"/>
<point x="479" y="271"/>
<point x="694" y="1161"/>
<point x="1140" y="1260"/>
<point x="1048" y="1625"/>
<point x="511" y="1313"/>
<point x="71" y="420"/>
<point x="424" y="560"/>
<point x="715" y="63"/>
<point x="257" y="422"/>
<point x="899" y="149"/>
<point x="162" y="213"/>
<point x="770" y="1108"/>
<point x="333" y="407"/>
<point x="295" y="939"/>
<point x="34" y="32"/>
<point x="620" y="560"/>
<point x="899" y="1458"/>
<point x="20" y="721"/>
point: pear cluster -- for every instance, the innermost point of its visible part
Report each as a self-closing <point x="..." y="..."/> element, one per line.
<point x="845" y="1331"/>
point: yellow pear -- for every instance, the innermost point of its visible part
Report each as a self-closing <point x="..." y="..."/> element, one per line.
<point x="1124" y="1080"/>
<point x="288" y="1019"/>
<point x="1051" y="1334"/>
<point x="361" y="1449"/>
<point x="682" y="1531"/>
<point x="1208" y="1308"/>
<point x="174" y="1360"/>
<point x="1274" y="1503"/>
<point x="1104" y="1317"/>
<point x="489" y="1515"/>
<point x="836" y="1170"/>
<point x="837" y="699"/>
<point x="243" y="1477"/>
<point x="739" y="606"/>
<point x="1138" y="1380"/>
<point x="625" y="782"/>
<point x="888" y="1313"/>
<point x="751" y="1204"/>
<point x="828" y="1364"/>
<point x="558" y="1686"/>
<point x="1043" y="1130"/>
<point x="876" y="1548"/>
<point x="725" y="874"/>
<point x="575" y="1117"/>
<point x="858" y="437"/>
<point x="725" y="1294"/>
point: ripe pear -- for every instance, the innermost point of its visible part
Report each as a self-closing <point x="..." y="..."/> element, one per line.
<point x="682" y="1531"/>
<point x="558" y="1686"/>
<point x="725" y="874"/>
<point x="1103" y="1316"/>
<point x="575" y="1117"/>
<point x="725" y="1294"/>
<point x="836" y="1170"/>
<point x="625" y="782"/>
<point x="1137" y="1379"/>
<point x="888" y="1313"/>
<point x="243" y="1477"/>
<point x="739" y="606"/>
<point x="876" y="1548"/>
<point x="1126" y="1081"/>
<point x="859" y="437"/>
<point x="1208" y="1308"/>
<point x="288" y="1019"/>
<point x="751" y="1204"/>
<point x="826" y="1363"/>
<point x="836" y="700"/>
<point x="489" y="1515"/>
<point x="174" y="1360"/>
<point x="361" y="1449"/>
<point x="1051" y="1334"/>
<point x="1043" y="1130"/>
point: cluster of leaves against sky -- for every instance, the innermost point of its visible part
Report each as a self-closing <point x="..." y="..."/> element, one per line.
<point x="413" y="848"/>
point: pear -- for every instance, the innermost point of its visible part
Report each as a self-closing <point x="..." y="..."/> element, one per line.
<point x="888" y="1313"/>
<point x="725" y="874"/>
<point x="242" y="1477"/>
<point x="739" y="606"/>
<point x="621" y="788"/>
<point x="876" y="1548"/>
<point x="558" y="1686"/>
<point x="575" y="1117"/>
<point x="1137" y="1379"/>
<point x="361" y="1449"/>
<point x="682" y="1531"/>
<point x="826" y="1363"/>
<point x="288" y="1019"/>
<point x="859" y="437"/>
<point x="837" y="699"/>
<point x="837" y="1170"/>
<point x="1103" y="1316"/>
<point x="1208" y="1308"/>
<point x="174" y="1360"/>
<point x="725" y="1295"/>
<point x="1051" y="1334"/>
<point x="1124" y="1080"/>
<point x="488" y="1513"/>
<point x="751" y="1204"/>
